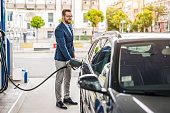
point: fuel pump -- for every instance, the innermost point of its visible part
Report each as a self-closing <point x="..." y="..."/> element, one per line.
<point x="4" y="75"/>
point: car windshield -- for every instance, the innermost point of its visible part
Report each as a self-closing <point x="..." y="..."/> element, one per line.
<point x="145" y="66"/>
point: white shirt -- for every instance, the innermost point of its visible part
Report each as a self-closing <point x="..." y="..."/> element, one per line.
<point x="68" y="28"/>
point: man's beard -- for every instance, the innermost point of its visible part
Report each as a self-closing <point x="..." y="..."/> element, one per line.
<point x="67" y="22"/>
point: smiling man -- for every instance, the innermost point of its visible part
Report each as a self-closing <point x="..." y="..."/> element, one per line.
<point x="64" y="52"/>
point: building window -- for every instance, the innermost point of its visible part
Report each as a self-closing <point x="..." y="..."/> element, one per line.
<point x="66" y="2"/>
<point x="50" y="17"/>
<point x="84" y="19"/>
<point x="9" y="1"/>
<point x="10" y="16"/>
<point x="86" y="2"/>
<point x="94" y="2"/>
<point x="50" y="34"/>
<point x="30" y="0"/>
<point x="50" y="1"/>
<point x="28" y="26"/>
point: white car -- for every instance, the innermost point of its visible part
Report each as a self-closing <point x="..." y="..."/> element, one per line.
<point x="126" y="73"/>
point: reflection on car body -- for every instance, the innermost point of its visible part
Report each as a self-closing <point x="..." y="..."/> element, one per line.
<point x="133" y="74"/>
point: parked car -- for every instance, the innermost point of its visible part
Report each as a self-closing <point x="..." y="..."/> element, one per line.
<point x="126" y="73"/>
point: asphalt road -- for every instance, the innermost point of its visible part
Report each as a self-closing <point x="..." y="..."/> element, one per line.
<point x="38" y="64"/>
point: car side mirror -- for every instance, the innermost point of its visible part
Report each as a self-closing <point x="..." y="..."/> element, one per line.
<point x="91" y="82"/>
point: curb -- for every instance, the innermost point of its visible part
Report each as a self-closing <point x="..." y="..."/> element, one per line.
<point x="18" y="103"/>
<point x="51" y="50"/>
<point x="29" y="48"/>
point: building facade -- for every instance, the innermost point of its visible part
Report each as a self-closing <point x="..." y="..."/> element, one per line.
<point x="133" y="7"/>
<point x="19" y="14"/>
<point x="130" y="7"/>
<point x="163" y="21"/>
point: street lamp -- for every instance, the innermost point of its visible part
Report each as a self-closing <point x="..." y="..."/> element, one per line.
<point x="169" y="22"/>
<point x="123" y="21"/>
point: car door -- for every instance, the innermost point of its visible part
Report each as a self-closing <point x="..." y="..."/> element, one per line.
<point x="86" y="69"/>
<point x="101" y="104"/>
<point x="100" y="65"/>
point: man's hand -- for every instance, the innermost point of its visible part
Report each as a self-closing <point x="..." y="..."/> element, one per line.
<point x="68" y="65"/>
<point x="74" y="55"/>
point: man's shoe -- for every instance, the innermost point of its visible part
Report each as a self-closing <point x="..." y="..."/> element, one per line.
<point x="61" y="105"/>
<point x="69" y="101"/>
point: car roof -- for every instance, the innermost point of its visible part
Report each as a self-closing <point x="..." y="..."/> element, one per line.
<point x="135" y="37"/>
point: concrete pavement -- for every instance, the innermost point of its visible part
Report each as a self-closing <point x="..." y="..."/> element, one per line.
<point x="42" y="100"/>
<point x="11" y="96"/>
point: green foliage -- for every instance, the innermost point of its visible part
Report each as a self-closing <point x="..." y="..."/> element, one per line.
<point x="159" y="10"/>
<point x="134" y="26"/>
<point x="94" y="16"/>
<point x="37" y="22"/>
<point x="96" y="50"/>
<point x="62" y="19"/>
<point x="150" y="7"/>
<point x="82" y="37"/>
<point x="145" y="19"/>
<point x="110" y="12"/>
<point x="114" y="18"/>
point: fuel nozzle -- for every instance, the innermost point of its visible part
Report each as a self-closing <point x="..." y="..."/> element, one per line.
<point x="75" y="63"/>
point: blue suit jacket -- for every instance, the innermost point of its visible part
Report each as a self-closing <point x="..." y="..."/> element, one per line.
<point x="64" y="43"/>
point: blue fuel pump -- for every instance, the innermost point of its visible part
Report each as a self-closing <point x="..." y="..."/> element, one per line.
<point x="2" y="81"/>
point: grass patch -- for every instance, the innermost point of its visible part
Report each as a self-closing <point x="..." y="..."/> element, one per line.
<point x="78" y="45"/>
<point x="82" y="37"/>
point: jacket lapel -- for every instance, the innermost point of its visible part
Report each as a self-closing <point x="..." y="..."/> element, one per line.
<point x="65" y="28"/>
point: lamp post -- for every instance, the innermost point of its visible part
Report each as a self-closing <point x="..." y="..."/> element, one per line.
<point x="153" y="21"/>
<point x="123" y="21"/>
<point x="20" y="18"/>
<point x="169" y="22"/>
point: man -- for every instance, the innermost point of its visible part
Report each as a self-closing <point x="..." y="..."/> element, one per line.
<point x="24" y="35"/>
<point x="64" y="52"/>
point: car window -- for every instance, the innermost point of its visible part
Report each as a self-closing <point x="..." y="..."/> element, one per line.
<point x="97" y="45"/>
<point x="145" y="64"/>
<point x="101" y="57"/>
<point x="103" y="77"/>
<point x="91" y="51"/>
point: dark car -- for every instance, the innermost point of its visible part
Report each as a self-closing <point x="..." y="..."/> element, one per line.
<point x="126" y="73"/>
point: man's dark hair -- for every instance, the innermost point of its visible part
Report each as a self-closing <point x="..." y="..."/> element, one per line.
<point x="64" y="11"/>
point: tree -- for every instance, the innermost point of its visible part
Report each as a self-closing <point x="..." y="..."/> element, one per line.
<point x="110" y="12"/>
<point x="94" y="16"/>
<point x="145" y="19"/>
<point x="134" y="26"/>
<point x="37" y="22"/>
<point x="119" y="18"/>
<point x="160" y="11"/>
<point x="114" y="19"/>
<point x="150" y="7"/>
